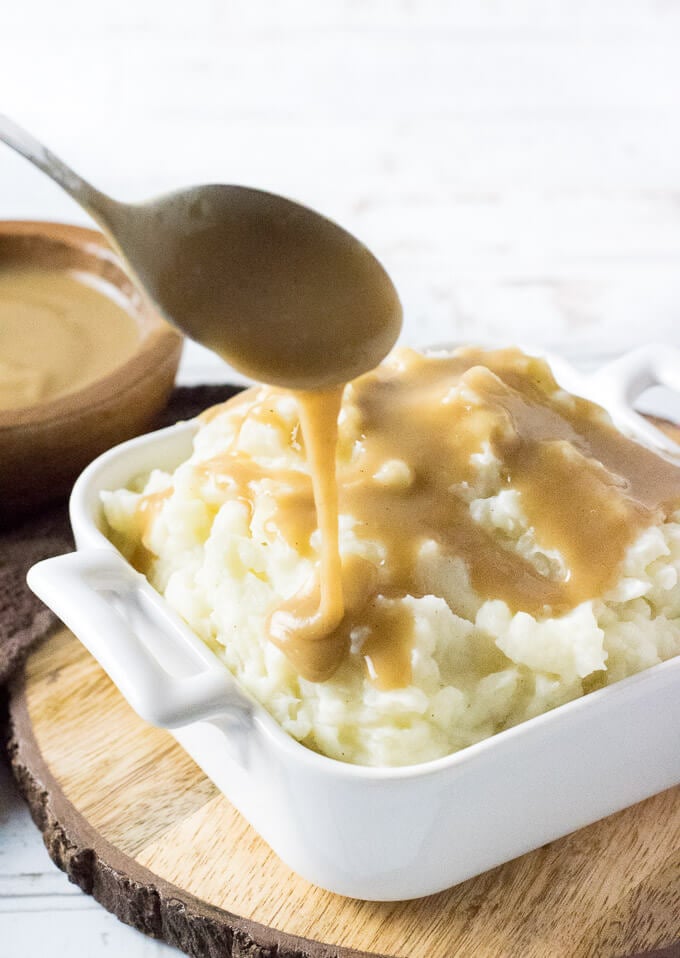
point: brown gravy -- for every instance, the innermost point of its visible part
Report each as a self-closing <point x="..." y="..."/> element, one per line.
<point x="586" y="489"/>
<point x="58" y="333"/>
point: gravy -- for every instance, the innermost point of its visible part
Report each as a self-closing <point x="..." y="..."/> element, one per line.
<point x="58" y="333"/>
<point x="586" y="489"/>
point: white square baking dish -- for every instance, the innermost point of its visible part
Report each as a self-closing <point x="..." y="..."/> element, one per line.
<point x="379" y="834"/>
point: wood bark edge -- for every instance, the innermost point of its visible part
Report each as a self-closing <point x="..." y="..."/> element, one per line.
<point x="131" y="892"/>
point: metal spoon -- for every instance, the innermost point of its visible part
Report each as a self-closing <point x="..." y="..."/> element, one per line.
<point x="282" y="293"/>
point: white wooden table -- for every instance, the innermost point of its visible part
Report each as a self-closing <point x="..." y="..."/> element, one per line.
<point x="515" y="164"/>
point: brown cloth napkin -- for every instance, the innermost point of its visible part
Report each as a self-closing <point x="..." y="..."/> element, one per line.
<point x="23" y="617"/>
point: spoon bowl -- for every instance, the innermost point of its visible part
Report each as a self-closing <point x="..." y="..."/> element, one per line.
<point x="285" y="295"/>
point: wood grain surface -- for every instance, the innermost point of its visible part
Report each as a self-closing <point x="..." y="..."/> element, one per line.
<point x="135" y="823"/>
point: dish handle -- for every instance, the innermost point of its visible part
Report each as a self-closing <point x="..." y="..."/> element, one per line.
<point x="617" y="385"/>
<point x="95" y="592"/>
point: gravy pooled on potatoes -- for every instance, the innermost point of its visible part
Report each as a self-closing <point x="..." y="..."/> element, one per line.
<point x="587" y="491"/>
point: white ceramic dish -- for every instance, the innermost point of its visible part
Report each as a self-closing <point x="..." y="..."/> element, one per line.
<point x="381" y="834"/>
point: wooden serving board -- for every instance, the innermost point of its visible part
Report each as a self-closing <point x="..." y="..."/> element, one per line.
<point x="126" y="813"/>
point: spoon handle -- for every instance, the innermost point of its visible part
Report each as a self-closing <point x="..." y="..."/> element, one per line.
<point x="98" y="204"/>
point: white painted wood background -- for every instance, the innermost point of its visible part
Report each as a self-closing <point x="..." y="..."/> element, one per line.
<point x="515" y="163"/>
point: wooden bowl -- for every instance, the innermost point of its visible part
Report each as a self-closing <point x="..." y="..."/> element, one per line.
<point x="44" y="447"/>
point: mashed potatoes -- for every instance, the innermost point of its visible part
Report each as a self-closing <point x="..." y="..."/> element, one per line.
<point x="477" y="667"/>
